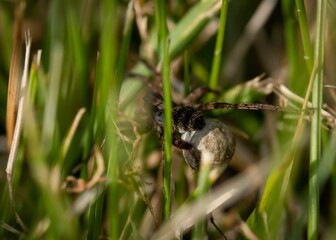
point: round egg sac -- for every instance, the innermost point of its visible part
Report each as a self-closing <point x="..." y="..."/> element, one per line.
<point x="216" y="144"/>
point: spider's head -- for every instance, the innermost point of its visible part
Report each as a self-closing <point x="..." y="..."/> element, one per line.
<point x="187" y="119"/>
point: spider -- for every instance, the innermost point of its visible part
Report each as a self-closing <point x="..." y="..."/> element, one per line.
<point x="197" y="135"/>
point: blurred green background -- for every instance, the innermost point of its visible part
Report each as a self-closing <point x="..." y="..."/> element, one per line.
<point x="100" y="177"/>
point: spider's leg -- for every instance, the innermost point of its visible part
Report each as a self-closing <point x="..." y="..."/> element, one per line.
<point x="150" y="67"/>
<point x="159" y="130"/>
<point x="181" y="144"/>
<point x="242" y="106"/>
<point x="196" y="94"/>
<point x="195" y="161"/>
<point x="150" y="83"/>
<point x="217" y="228"/>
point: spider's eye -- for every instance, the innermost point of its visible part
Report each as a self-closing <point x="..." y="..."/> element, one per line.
<point x="159" y="117"/>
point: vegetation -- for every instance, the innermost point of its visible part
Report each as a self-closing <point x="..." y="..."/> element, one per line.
<point x="82" y="160"/>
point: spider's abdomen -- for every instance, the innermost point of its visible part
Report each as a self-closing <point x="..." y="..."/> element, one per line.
<point x="187" y="118"/>
<point x="215" y="143"/>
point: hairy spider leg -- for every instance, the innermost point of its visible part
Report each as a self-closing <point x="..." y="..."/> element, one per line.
<point x="242" y="106"/>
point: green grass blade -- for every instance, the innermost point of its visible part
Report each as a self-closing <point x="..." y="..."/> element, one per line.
<point x="186" y="75"/>
<point x="105" y="119"/>
<point x="217" y="56"/>
<point x="290" y="28"/>
<point x="203" y="188"/>
<point x="164" y="52"/>
<point x="316" y="127"/>
<point x="191" y="25"/>
<point x="304" y="29"/>
<point x="99" y="175"/>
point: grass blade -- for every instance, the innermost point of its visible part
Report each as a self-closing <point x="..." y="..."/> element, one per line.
<point x="307" y="45"/>
<point x="316" y="127"/>
<point x="191" y="25"/>
<point x="160" y="14"/>
<point x="217" y="56"/>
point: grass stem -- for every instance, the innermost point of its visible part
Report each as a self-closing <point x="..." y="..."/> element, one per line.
<point x="164" y="51"/>
<point x="316" y="126"/>
<point x="217" y="57"/>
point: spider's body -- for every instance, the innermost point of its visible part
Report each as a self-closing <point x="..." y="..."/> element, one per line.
<point x="188" y="121"/>
<point x="198" y="133"/>
<point x="185" y="118"/>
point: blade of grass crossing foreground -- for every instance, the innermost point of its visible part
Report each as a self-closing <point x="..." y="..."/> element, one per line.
<point x="114" y="162"/>
<point x="164" y="54"/>
<point x="186" y="75"/>
<point x="96" y="209"/>
<point x="203" y="187"/>
<point x="304" y="29"/>
<point x="106" y="67"/>
<point x="315" y="141"/>
<point x="291" y="41"/>
<point x="122" y="56"/>
<point x="168" y="130"/>
<point x="95" y="218"/>
<point x="219" y="46"/>
<point x="191" y="25"/>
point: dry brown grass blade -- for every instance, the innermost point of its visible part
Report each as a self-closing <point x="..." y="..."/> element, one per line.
<point x="79" y="185"/>
<point x="70" y="135"/>
<point x="14" y="73"/>
<point x="18" y="127"/>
